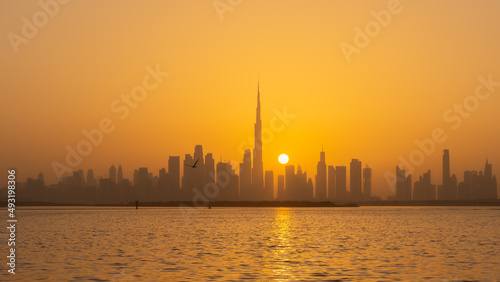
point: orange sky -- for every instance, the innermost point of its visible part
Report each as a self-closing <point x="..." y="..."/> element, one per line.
<point x="394" y="90"/>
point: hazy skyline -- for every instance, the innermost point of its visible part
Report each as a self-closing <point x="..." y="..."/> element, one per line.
<point x="396" y="90"/>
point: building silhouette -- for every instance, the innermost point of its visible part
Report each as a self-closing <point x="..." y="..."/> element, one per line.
<point x="367" y="183"/>
<point x="198" y="171"/>
<point x="340" y="183"/>
<point x="119" y="174"/>
<point x="331" y="183"/>
<point x="448" y="190"/>
<point x="91" y="181"/>
<point x="304" y="186"/>
<point x="174" y="172"/>
<point x="490" y="182"/>
<point x="269" y="186"/>
<point x="297" y="184"/>
<point x="320" y="193"/>
<point x="143" y="184"/>
<point x="188" y="178"/>
<point x="290" y="183"/>
<point x="246" y="175"/>
<point x="281" y="196"/>
<point x="209" y="170"/>
<point x="221" y="183"/>
<point x="356" y="193"/>
<point x="423" y="189"/>
<point x="112" y="173"/>
<point x="403" y="185"/>
<point x="82" y="179"/>
<point x="258" y="167"/>
<point x="478" y="185"/>
<point x="227" y="182"/>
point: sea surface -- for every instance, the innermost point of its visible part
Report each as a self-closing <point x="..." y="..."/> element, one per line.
<point x="263" y="244"/>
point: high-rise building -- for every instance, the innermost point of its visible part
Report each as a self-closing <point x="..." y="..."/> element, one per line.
<point x="303" y="191"/>
<point x="290" y="183"/>
<point x="478" y="185"/>
<point x="356" y="193"/>
<point x="41" y="177"/>
<point x="281" y="188"/>
<point x="119" y="175"/>
<point x="258" y="167"/>
<point x="174" y="174"/>
<point x="246" y="176"/>
<point x="227" y="182"/>
<point x="367" y="183"/>
<point x="447" y="191"/>
<point x="188" y="176"/>
<point x="331" y="183"/>
<point x="403" y="185"/>
<point x="198" y="171"/>
<point x="91" y="181"/>
<point x="82" y="178"/>
<point x="424" y="190"/>
<point x="490" y="182"/>
<point x="340" y="183"/>
<point x="209" y="168"/>
<point x="446" y="168"/>
<point x="464" y="187"/>
<point x="143" y="185"/>
<point x="320" y="194"/>
<point x="269" y="186"/>
<point x="112" y="173"/>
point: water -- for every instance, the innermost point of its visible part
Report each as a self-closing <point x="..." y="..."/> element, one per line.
<point x="265" y="244"/>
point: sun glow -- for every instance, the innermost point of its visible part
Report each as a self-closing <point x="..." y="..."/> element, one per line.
<point x="283" y="159"/>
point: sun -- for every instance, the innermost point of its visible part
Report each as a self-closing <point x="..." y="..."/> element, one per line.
<point x="283" y="159"/>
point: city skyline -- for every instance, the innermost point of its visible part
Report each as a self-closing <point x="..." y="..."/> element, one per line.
<point x="376" y="107"/>
<point x="201" y="173"/>
<point x="235" y="140"/>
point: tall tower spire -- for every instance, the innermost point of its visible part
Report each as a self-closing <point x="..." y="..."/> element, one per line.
<point x="258" y="100"/>
<point x="258" y="170"/>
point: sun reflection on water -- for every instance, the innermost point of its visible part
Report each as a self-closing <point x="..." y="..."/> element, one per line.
<point x="282" y="245"/>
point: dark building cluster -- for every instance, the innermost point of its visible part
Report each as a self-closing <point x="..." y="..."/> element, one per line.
<point x="204" y="180"/>
<point x="476" y="185"/>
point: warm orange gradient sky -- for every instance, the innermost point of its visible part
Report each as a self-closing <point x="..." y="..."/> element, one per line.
<point x="393" y="91"/>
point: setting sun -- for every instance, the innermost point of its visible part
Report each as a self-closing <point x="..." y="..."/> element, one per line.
<point x="283" y="159"/>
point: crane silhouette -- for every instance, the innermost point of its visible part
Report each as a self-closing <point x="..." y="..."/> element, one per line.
<point x="193" y="166"/>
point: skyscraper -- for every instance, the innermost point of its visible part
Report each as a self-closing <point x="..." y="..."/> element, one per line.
<point x="403" y="185"/>
<point x="200" y="166"/>
<point x="447" y="191"/>
<point x="269" y="186"/>
<point x="42" y="178"/>
<point x="258" y="167"/>
<point x="91" y="181"/>
<point x="281" y="188"/>
<point x="340" y="183"/>
<point x="143" y="185"/>
<point x="227" y="181"/>
<point x="446" y="168"/>
<point x="290" y="182"/>
<point x="119" y="175"/>
<point x="174" y="171"/>
<point x="331" y="183"/>
<point x="209" y="168"/>
<point x="355" y="180"/>
<point x="246" y="176"/>
<point x="112" y="173"/>
<point x="490" y="182"/>
<point x="367" y="183"/>
<point x="321" y="178"/>
<point x="423" y="190"/>
<point x="188" y="178"/>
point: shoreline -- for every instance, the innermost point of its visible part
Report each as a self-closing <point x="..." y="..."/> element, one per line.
<point x="276" y="204"/>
